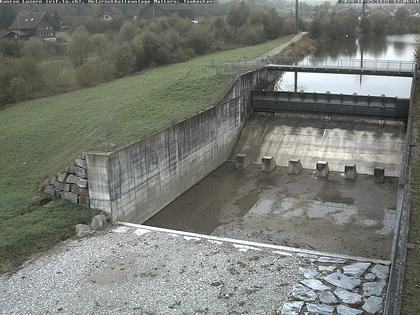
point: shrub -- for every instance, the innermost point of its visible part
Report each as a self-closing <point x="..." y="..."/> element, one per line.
<point x="66" y="79"/>
<point x="105" y="70"/>
<point x="86" y="75"/>
<point x="19" y="89"/>
<point x="10" y="47"/>
<point x="35" y="48"/>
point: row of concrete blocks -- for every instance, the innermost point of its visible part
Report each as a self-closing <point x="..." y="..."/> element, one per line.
<point x="295" y="168"/>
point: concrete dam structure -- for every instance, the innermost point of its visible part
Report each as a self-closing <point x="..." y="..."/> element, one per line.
<point x="321" y="179"/>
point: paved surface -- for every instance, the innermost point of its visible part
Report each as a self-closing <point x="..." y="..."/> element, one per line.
<point x="368" y="143"/>
<point x="334" y="215"/>
<point x="140" y="271"/>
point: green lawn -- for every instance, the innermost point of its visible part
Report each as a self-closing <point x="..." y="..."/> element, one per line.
<point x="411" y="302"/>
<point x="64" y="35"/>
<point x="39" y="137"/>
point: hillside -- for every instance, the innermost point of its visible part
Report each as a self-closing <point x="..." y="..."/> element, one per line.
<point x="39" y="137"/>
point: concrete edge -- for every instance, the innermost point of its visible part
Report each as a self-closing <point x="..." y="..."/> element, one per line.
<point x="255" y="244"/>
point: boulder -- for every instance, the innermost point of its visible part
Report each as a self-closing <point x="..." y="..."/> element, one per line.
<point x="69" y="196"/>
<point x="327" y="297"/>
<point x="78" y="171"/>
<point x="347" y="296"/>
<point x="373" y="288"/>
<point x="49" y="189"/>
<point x="73" y="179"/>
<point x="292" y="308"/>
<point x="84" y="201"/>
<point x="373" y="305"/>
<point x="315" y="284"/>
<point x="381" y="271"/>
<point x="81" y="163"/>
<point x="356" y="269"/>
<point x="82" y="230"/>
<point x="342" y="281"/>
<point x="301" y="292"/>
<point x="98" y="222"/>
<point x="79" y="190"/>
<point x="59" y="186"/>
<point x="62" y="177"/>
<point x="345" y="310"/>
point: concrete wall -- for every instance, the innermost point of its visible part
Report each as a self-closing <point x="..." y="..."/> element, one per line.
<point x="137" y="181"/>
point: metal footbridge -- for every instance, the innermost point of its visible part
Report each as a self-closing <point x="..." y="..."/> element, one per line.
<point x="396" y="68"/>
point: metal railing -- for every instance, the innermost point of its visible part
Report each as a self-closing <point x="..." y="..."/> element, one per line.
<point x="365" y="64"/>
<point x="325" y="63"/>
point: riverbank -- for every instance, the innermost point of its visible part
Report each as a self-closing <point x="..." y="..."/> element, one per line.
<point x="40" y="137"/>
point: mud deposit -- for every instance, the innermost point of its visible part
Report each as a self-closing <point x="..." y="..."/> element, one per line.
<point x="353" y="218"/>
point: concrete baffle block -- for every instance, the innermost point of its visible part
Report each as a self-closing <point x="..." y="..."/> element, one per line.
<point x="322" y="169"/>
<point x="242" y="161"/>
<point x="350" y="172"/>
<point x="295" y="167"/>
<point x="268" y="163"/>
<point x="379" y="175"/>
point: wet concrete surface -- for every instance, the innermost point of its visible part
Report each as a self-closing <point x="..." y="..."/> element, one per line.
<point x="340" y="140"/>
<point x="333" y="215"/>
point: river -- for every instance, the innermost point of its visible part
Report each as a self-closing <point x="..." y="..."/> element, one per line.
<point x="393" y="47"/>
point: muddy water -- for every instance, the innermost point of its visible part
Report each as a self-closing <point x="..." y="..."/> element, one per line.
<point x="354" y="218"/>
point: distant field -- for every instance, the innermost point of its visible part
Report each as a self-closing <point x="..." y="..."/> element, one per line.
<point x="39" y="137"/>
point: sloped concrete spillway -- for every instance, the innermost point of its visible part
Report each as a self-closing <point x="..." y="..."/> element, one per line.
<point x="332" y="215"/>
<point x="340" y="140"/>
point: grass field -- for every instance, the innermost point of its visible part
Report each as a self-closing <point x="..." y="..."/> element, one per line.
<point x="411" y="302"/>
<point x="39" y="137"/>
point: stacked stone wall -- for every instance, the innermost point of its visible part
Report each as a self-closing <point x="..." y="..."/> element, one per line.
<point x="70" y="184"/>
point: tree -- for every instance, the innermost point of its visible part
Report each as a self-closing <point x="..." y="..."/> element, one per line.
<point x="35" y="48"/>
<point x="127" y="32"/>
<point x="124" y="60"/>
<point x="79" y="47"/>
<point x="200" y="39"/>
<point x="238" y="14"/>
<point x="402" y="14"/>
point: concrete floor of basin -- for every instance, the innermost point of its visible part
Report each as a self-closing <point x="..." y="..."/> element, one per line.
<point x="334" y="215"/>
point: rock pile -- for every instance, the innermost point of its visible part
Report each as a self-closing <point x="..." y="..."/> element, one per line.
<point x="337" y="286"/>
<point x="70" y="184"/>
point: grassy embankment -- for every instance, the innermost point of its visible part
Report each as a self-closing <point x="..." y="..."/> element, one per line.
<point x="39" y="137"/>
<point x="411" y="295"/>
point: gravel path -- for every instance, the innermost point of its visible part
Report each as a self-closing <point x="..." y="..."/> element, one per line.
<point x="133" y="270"/>
<point x="277" y="50"/>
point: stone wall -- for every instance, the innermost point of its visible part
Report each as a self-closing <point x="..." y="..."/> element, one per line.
<point x="137" y="181"/>
<point x="70" y="184"/>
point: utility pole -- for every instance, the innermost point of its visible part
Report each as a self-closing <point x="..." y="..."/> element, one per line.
<point x="297" y="16"/>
